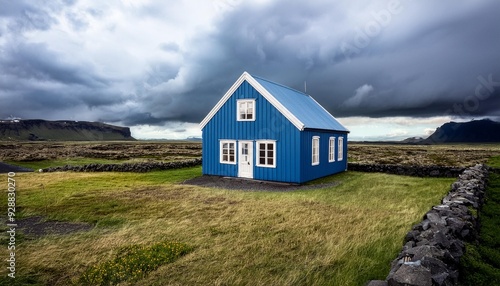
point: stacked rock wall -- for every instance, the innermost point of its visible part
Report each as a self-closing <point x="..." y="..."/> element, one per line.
<point x="126" y="167"/>
<point x="432" y="250"/>
<point x="416" y="171"/>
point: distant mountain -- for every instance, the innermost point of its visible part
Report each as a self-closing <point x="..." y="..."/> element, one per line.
<point x="194" y="138"/>
<point x="413" y="140"/>
<point x="41" y="130"/>
<point x="477" y="131"/>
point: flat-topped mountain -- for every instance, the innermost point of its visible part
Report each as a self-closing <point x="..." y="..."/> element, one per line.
<point x="61" y="130"/>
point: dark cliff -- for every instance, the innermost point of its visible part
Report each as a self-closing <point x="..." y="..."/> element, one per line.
<point x="41" y="130"/>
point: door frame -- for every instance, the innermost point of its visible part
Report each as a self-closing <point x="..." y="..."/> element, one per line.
<point x="250" y="157"/>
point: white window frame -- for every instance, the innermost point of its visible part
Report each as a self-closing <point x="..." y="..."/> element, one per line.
<point x="266" y="157"/>
<point x="340" y="149"/>
<point x="221" y="151"/>
<point x="246" y="102"/>
<point x="331" y="149"/>
<point x="315" y="156"/>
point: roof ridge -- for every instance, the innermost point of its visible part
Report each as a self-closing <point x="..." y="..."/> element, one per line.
<point x="301" y="109"/>
<point x="281" y="85"/>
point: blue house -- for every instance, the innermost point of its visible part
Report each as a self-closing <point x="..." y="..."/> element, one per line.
<point x="266" y="131"/>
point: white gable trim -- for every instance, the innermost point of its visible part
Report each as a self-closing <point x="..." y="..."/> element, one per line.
<point x="266" y="94"/>
<point x="223" y="100"/>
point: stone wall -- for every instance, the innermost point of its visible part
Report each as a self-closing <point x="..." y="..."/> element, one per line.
<point x="126" y="167"/>
<point x="416" y="171"/>
<point x="432" y="249"/>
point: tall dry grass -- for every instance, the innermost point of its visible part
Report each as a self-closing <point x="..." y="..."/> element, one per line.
<point x="341" y="235"/>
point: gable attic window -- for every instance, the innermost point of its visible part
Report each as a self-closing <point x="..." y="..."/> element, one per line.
<point x="246" y="110"/>
<point x="227" y="152"/>
<point x="315" y="150"/>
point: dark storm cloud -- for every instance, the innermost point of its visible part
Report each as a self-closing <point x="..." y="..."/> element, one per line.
<point x="220" y="57"/>
<point x="136" y="118"/>
<point x="158" y="73"/>
<point x="37" y="62"/>
<point x="36" y="80"/>
<point x="434" y="67"/>
<point x="359" y="58"/>
<point x="420" y="68"/>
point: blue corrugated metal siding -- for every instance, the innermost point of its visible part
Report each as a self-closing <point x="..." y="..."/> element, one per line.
<point x="312" y="115"/>
<point x="325" y="168"/>
<point x="269" y="124"/>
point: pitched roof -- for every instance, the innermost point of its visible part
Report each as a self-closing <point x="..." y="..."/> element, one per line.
<point x="299" y="108"/>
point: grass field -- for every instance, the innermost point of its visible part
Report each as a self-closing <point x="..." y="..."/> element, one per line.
<point x="341" y="235"/>
<point x="481" y="262"/>
<point x="461" y="155"/>
<point x="50" y="154"/>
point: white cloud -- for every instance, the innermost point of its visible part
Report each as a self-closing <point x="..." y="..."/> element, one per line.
<point x="176" y="131"/>
<point x="429" y="131"/>
<point x="359" y="96"/>
<point x="397" y="133"/>
<point x="391" y="128"/>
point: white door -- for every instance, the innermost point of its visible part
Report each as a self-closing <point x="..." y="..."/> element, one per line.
<point x="245" y="159"/>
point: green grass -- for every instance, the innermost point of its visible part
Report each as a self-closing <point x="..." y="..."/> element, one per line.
<point x="481" y="263"/>
<point x="341" y="235"/>
<point x="494" y="162"/>
<point x="92" y="197"/>
<point x="133" y="263"/>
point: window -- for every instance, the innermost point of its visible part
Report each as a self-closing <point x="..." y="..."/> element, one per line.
<point x="266" y="154"/>
<point x="340" y="149"/>
<point x="331" y="149"/>
<point x="246" y="110"/>
<point x="315" y="150"/>
<point x="227" y="152"/>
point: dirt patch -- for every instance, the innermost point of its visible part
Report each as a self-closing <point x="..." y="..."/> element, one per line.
<point x="36" y="226"/>
<point x="6" y="168"/>
<point x="251" y="185"/>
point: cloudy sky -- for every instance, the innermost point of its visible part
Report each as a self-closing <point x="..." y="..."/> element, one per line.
<point x="386" y="69"/>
